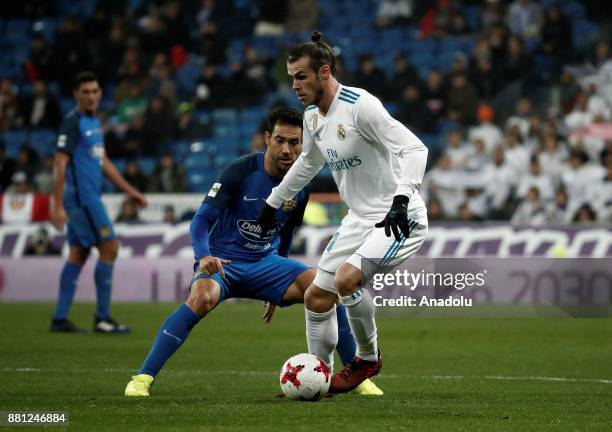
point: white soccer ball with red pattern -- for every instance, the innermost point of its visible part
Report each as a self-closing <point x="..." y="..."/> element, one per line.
<point x="305" y="377"/>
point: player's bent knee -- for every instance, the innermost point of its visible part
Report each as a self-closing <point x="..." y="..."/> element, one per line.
<point x="318" y="300"/>
<point x="348" y="279"/>
<point x="109" y="250"/>
<point x="203" y="297"/>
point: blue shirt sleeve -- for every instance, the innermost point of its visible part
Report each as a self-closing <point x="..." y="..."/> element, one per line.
<point x="288" y="231"/>
<point x="228" y="185"/>
<point x="205" y="217"/>
<point x="68" y="136"/>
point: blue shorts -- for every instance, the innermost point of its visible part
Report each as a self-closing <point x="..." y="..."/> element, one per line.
<point x="265" y="280"/>
<point x="89" y="225"/>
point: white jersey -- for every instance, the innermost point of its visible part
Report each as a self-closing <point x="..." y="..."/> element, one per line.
<point x="372" y="156"/>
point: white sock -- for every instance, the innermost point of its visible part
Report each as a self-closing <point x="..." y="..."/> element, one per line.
<point x="322" y="334"/>
<point x="361" y="310"/>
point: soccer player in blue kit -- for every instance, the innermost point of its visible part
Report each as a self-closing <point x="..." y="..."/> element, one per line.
<point x="80" y="162"/>
<point x="235" y="259"/>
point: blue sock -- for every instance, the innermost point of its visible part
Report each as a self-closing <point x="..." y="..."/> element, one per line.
<point x="104" y="283"/>
<point x="347" y="347"/>
<point x="68" y="283"/>
<point x="171" y="336"/>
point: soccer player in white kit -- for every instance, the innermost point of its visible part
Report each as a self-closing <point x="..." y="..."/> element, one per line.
<point x="378" y="165"/>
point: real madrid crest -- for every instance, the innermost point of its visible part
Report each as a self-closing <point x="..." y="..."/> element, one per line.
<point x="289" y="205"/>
<point x="341" y="132"/>
<point x="315" y="121"/>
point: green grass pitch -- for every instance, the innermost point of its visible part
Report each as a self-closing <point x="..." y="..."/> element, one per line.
<point x="439" y="374"/>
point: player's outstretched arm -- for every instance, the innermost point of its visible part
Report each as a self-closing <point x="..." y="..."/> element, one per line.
<point x="110" y="171"/>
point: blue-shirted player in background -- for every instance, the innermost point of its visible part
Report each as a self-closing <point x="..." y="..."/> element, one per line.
<point x="80" y="162"/>
<point x="235" y="259"/>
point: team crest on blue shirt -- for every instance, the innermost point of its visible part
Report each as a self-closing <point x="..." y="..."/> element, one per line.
<point x="105" y="231"/>
<point x="341" y="132"/>
<point x="289" y="205"/>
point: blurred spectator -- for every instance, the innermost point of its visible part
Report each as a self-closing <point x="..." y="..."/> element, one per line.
<point x="169" y="216"/>
<point x="44" y="180"/>
<point x="153" y="35"/>
<point x="486" y="130"/>
<point x="457" y="150"/>
<point x="404" y="73"/>
<point x="516" y="154"/>
<point x="40" y="244"/>
<point x="442" y="20"/>
<point x="394" y="12"/>
<point x="113" y="48"/>
<point x="535" y="178"/>
<point x="272" y="16"/>
<point x="243" y="89"/>
<point x="500" y="180"/>
<point x="159" y="125"/>
<point x="27" y="162"/>
<point x="370" y="76"/>
<point x="188" y="126"/>
<point x="70" y="53"/>
<point x="585" y="214"/>
<point x="485" y="77"/>
<point x="568" y="92"/>
<point x="557" y="211"/>
<point x="212" y="44"/>
<point x="41" y="110"/>
<point x="134" y="175"/>
<point x="531" y="211"/>
<point x="557" y="31"/>
<point x="434" y="94"/>
<point x="551" y="158"/>
<point x="461" y="100"/>
<point x="516" y="65"/>
<point x="210" y="91"/>
<point x="525" y="19"/>
<point x="412" y="111"/>
<point x="135" y="104"/>
<point x="7" y="168"/>
<point x="579" y="177"/>
<point x="40" y="64"/>
<point x="19" y="184"/>
<point x="129" y="212"/>
<point x="602" y="54"/>
<point x="9" y="106"/>
<point x="168" y="177"/>
<point x="258" y="144"/>
<point x="135" y="139"/>
<point x="521" y="116"/>
<point x="302" y="15"/>
<point x="491" y="14"/>
<point x="161" y="82"/>
<point x="478" y="156"/>
<point x="132" y="77"/>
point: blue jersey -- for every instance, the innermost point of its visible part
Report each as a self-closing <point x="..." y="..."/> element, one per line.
<point x="81" y="138"/>
<point x="239" y="194"/>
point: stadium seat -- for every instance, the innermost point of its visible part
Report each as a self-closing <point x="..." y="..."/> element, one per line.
<point x="225" y="116"/>
<point x="147" y="164"/>
<point x="43" y="141"/>
<point x="200" y="181"/>
<point x="14" y="139"/>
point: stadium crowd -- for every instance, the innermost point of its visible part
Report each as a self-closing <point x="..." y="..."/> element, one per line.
<point x="512" y="98"/>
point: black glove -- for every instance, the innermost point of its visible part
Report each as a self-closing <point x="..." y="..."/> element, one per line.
<point x="397" y="218"/>
<point x="267" y="220"/>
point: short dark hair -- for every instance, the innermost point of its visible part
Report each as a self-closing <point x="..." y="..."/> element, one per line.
<point x="287" y="116"/>
<point x="319" y="53"/>
<point x="83" y="77"/>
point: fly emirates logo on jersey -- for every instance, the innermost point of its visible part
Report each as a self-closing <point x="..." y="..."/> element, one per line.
<point x="337" y="162"/>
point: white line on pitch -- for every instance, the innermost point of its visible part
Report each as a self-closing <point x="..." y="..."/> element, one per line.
<point x="384" y="376"/>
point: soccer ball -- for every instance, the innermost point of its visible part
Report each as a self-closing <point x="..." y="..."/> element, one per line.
<point x="305" y="377"/>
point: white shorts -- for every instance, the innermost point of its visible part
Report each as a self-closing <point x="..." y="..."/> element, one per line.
<point x="358" y="240"/>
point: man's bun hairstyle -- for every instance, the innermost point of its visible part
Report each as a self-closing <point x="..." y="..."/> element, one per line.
<point x="319" y="53"/>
